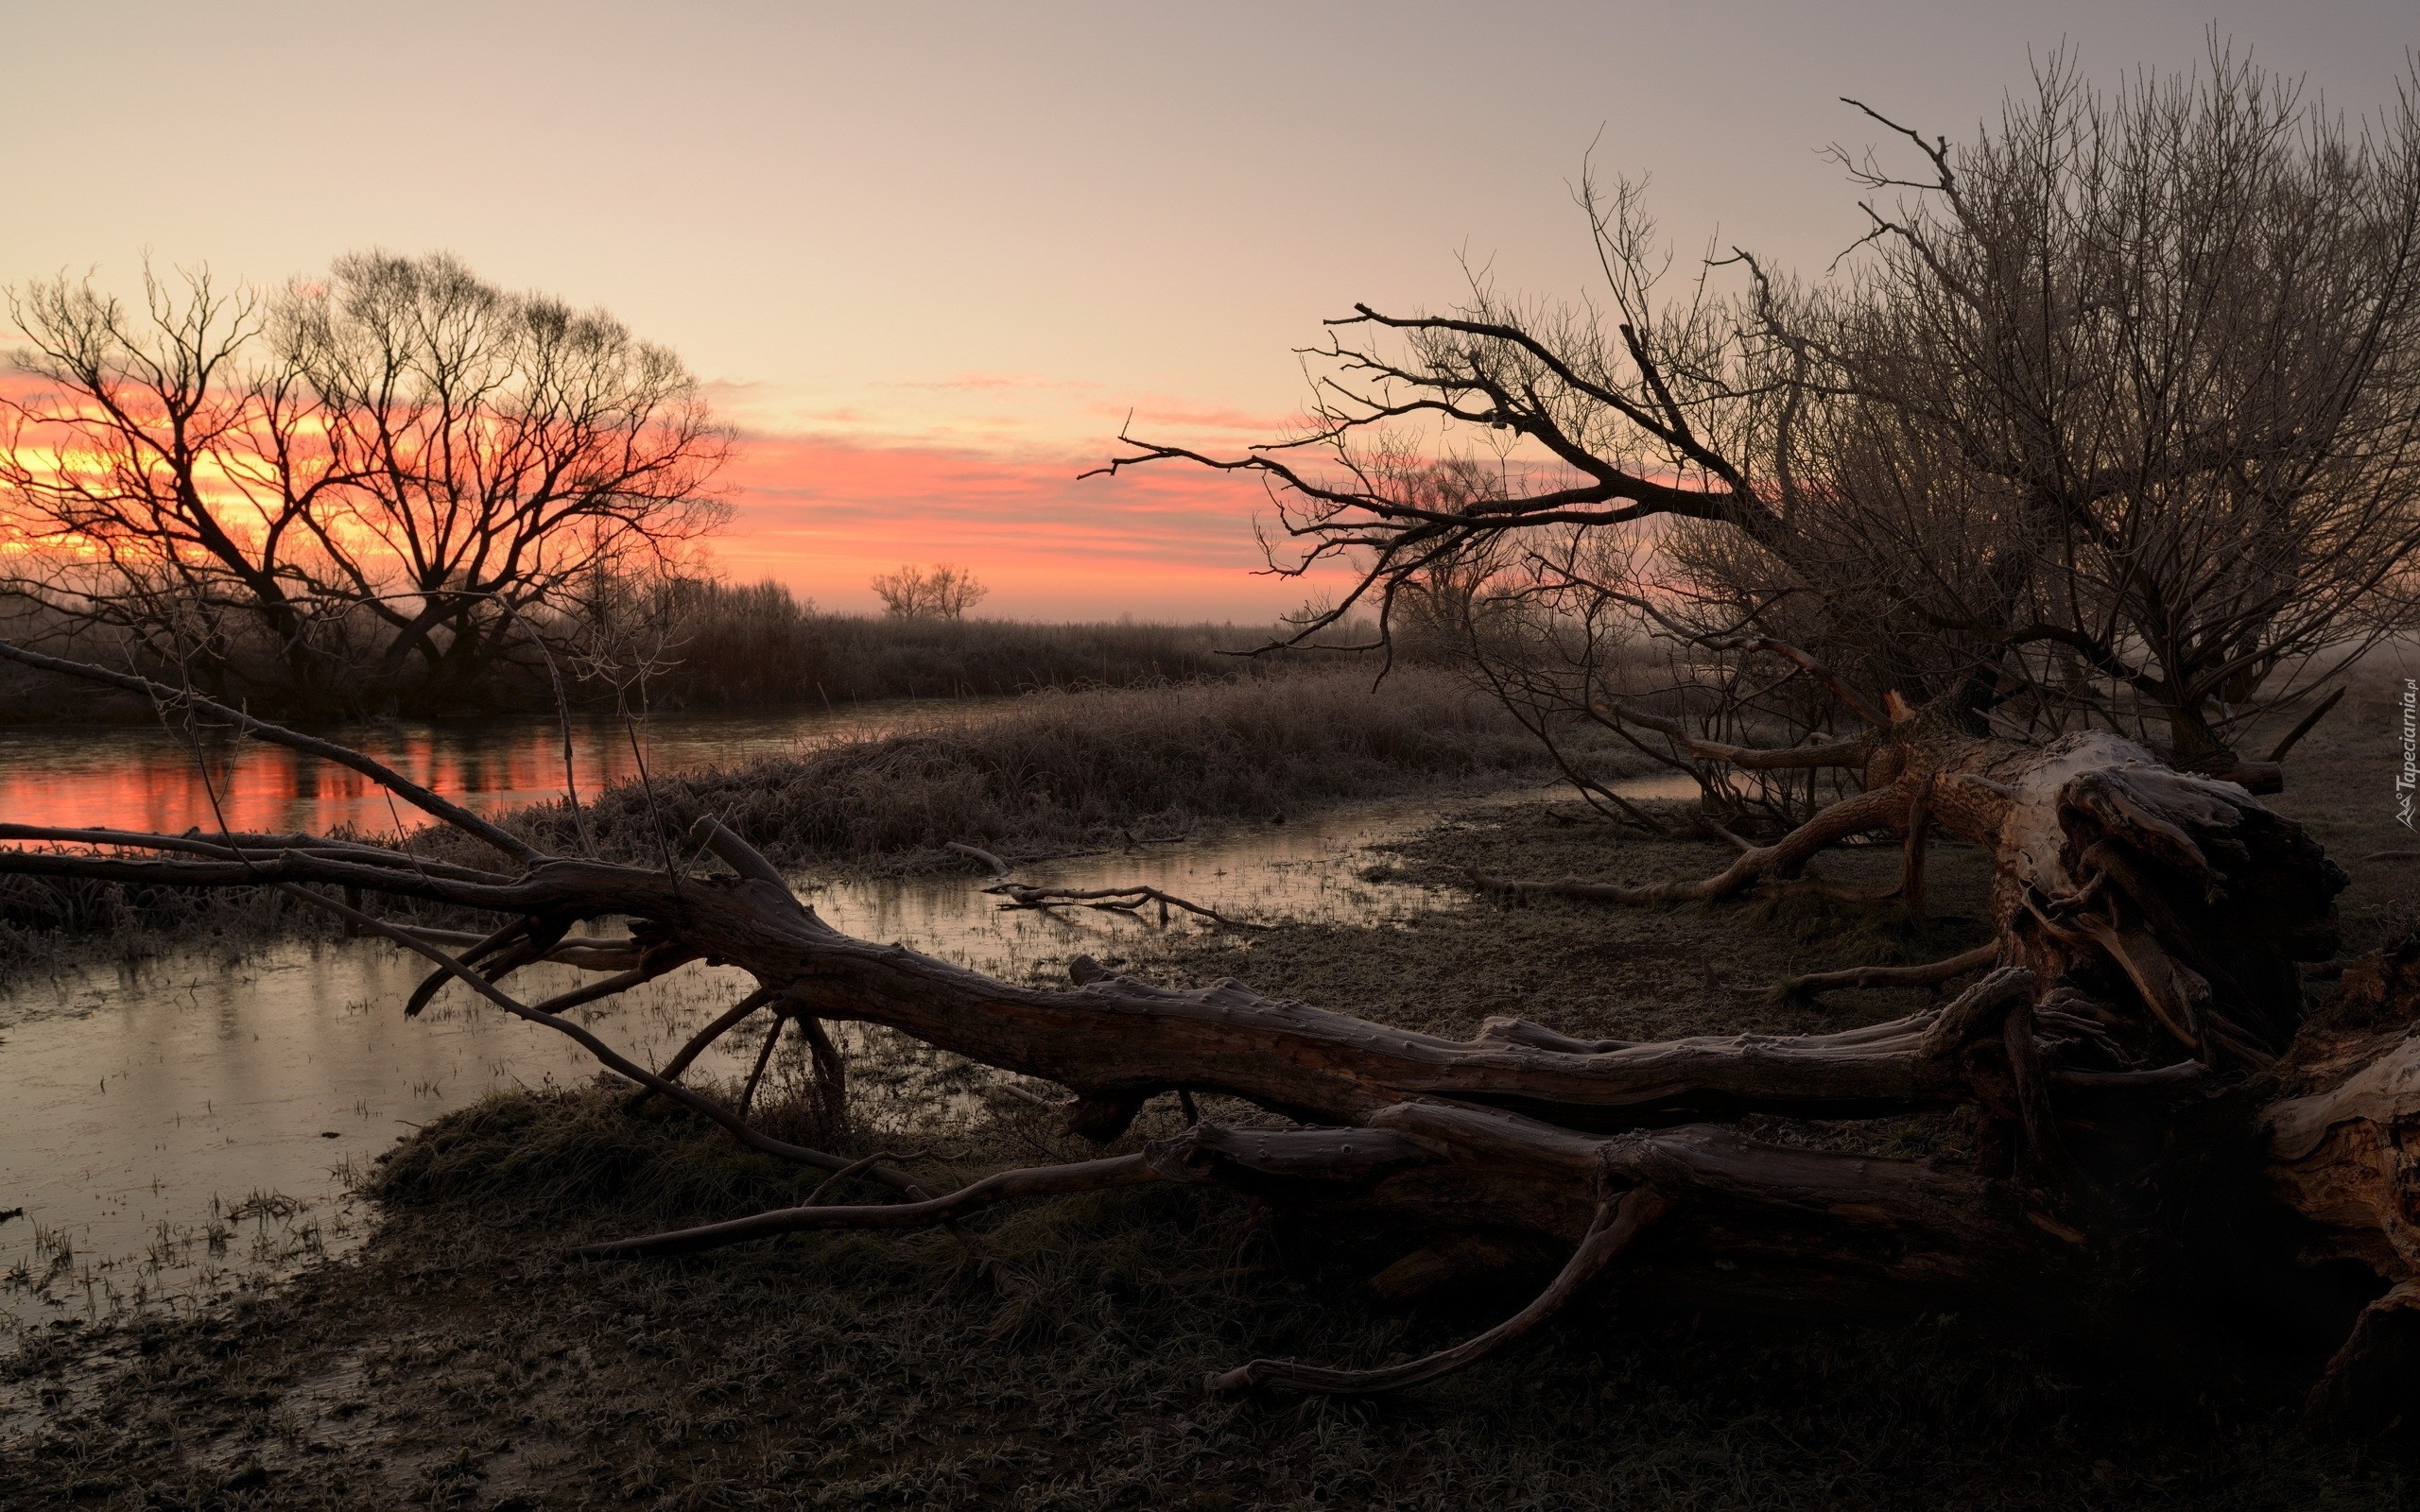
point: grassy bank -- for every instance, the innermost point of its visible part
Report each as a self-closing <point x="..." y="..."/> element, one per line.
<point x="1048" y="773"/>
<point x="1061" y="771"/>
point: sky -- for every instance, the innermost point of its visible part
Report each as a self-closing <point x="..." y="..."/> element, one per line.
<point x="927" y="258"/>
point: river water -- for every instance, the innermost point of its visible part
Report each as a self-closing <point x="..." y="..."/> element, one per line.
<point x="182" y="1127"/>
<point x="142" y="777"/>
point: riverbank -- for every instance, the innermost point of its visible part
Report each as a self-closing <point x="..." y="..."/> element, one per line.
<point x="1047" y="774"/>
<point x="756" y="647"/>
<point x="459" y="1361"/>
<point x="1056" y="772"/>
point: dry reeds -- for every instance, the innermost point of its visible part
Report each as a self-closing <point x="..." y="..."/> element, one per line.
<point x="1060" y="769"/>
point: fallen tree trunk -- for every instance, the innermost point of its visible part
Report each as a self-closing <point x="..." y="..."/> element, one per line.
<point x="2134" y="1036"/>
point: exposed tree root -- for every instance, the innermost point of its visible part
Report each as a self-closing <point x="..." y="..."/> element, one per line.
<point x="1618" y="1223"/>
<point x="1060" y="1180"/>
<point x="1780" y="860"/>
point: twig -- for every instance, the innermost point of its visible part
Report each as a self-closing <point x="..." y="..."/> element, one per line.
<point x="729" y="1019"/>
<point x="2310" y="721"/>
<point x="1118" y="899"/>
<point x="1043" y="1181"/>
<point x="1930" y="974"/>
<point x="763" y="1059"/>
<point x="999" y="867"/>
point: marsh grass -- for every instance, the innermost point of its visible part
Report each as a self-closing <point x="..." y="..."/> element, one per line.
<point x="729" y="647"/>
<point x="1058" y="771"/>
<point x="1046" y="774"/>
<point x="759" y="645"/>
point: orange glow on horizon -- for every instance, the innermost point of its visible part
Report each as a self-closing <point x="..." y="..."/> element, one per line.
<point x="1169" y="541"/>
<point x="823" y="512"/>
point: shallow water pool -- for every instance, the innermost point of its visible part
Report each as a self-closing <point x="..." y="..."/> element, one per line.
<point x="190" y="1124"/>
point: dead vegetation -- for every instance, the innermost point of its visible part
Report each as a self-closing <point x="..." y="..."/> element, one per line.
<point x="1050" y="774"/>
<point x="457" y="1361"/>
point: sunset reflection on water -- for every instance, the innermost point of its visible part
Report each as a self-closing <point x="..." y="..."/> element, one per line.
<point x="147" y="778"/>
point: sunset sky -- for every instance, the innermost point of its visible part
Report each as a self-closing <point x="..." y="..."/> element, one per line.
<point x="928" y="257"/>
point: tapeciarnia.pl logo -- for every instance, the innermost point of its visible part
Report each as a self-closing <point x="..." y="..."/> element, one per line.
<point x="2408" y="779"/>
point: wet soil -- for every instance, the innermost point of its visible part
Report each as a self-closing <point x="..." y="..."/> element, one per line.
<point x="457" y="1359"/>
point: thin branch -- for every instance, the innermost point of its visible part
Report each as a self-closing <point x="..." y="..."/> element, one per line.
<point x="1617" y="1223"/>
<point x="1042" y="1182"/>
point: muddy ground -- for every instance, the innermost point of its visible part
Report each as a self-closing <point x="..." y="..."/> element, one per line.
<point x="459" y="1360"/>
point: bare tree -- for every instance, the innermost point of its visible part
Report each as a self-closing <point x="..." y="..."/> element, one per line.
<point x="2116" y="427"/>
<point x="158" y="482"/>
<point x="2164" y="347"/>
<point x="1874" y="584"/>
<point x="386" y="471"/>
<point x="937" y="593"/>
<point x="507" y="449"/>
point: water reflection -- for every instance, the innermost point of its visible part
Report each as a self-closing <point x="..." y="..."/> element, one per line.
<point x="142" y="777"/>
<point x="186" y="1125"/>
<point x="179" y="1128"/>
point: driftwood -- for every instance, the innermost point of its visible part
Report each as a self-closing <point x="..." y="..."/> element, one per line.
<point x="1107" y="899"/>
<point x="2134" y="1050"/>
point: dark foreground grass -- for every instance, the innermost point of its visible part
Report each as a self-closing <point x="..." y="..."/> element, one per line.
<point x="464" y="1363"/>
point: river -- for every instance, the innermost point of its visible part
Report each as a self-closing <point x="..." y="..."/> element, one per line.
<point x="144" y="777"/>
<point x="183" y="1127"/>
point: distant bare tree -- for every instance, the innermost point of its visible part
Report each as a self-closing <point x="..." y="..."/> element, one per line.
<point x="380" y="475"/>
<point x="937" y="593"/>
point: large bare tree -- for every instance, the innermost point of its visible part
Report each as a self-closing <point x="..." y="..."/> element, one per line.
<point x="2115" y="423"/>
<point x="375" y="484"/>
<point x="2163" y="347"/>
<point x="500" y="451"/>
